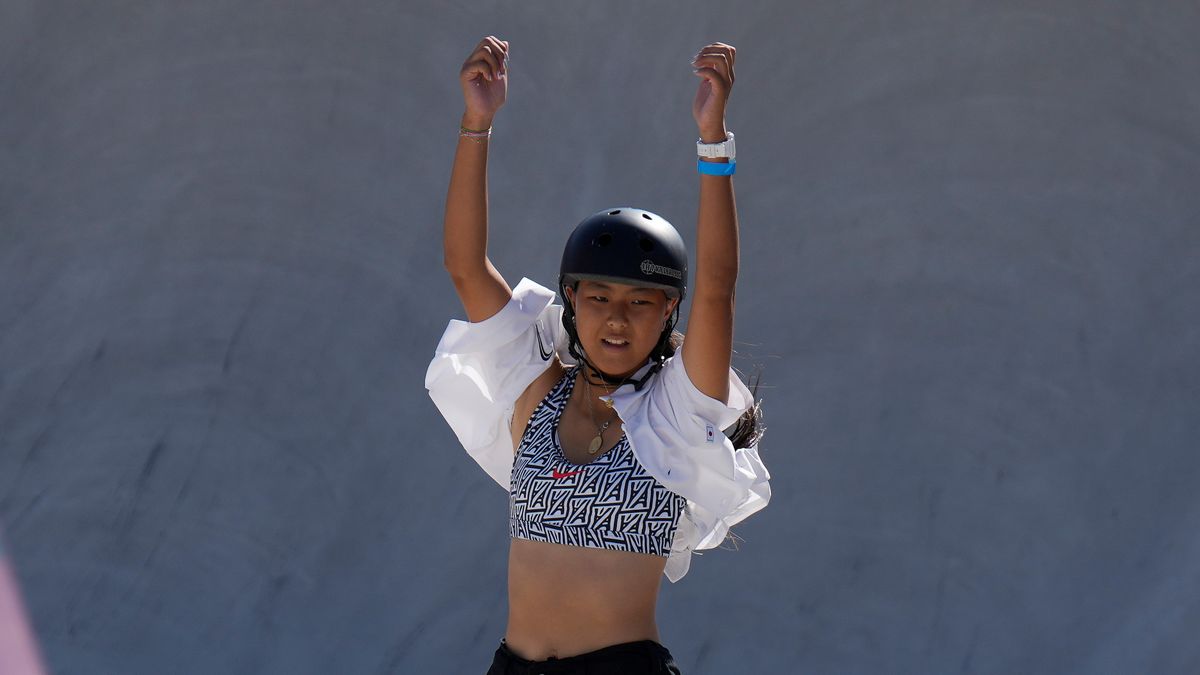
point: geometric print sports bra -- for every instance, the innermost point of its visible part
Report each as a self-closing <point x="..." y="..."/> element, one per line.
<point x="610" y="503"/>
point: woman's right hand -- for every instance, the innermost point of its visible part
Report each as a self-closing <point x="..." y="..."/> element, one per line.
<point x="484" y="80"/>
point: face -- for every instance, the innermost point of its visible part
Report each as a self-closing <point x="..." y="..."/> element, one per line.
<point x="619" y="324"/>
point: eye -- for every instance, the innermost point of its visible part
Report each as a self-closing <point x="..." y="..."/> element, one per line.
<point x="598" y="298"/>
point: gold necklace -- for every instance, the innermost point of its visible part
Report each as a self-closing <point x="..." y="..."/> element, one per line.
<point x="594" y="446"/>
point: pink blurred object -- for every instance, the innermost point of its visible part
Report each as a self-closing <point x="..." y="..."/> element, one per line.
<point x="18" y="649"/>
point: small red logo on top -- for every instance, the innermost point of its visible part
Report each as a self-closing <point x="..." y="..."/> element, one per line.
<point x="558" y="474"/>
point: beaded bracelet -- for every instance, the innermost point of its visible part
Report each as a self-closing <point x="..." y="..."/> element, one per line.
<point x="479" y="136"/>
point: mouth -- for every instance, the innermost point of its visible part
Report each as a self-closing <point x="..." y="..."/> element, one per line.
<point x="614" y="343"/>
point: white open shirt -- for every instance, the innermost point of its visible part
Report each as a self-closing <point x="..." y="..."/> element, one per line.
<point x="675" y="430"/>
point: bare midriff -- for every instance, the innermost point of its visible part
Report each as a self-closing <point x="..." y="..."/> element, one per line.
<point x="568" y="600"/>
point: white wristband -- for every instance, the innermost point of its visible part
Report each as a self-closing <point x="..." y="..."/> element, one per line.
<point x="712" y="150"/>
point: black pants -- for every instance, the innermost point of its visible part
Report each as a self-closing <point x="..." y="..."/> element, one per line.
<point x="646" y="657"/>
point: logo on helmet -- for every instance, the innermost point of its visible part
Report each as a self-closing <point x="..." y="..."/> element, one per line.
<point x="650" y="268"/>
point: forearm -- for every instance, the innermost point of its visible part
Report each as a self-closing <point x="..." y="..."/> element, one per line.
<point x="716" y="231"/>
<point x="466" y="221"/>
<point x="708" y="347"/>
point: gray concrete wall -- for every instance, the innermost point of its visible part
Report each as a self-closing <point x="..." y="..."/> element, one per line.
<point x="970" y="274"/>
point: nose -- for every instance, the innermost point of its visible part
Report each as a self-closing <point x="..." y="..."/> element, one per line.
<point x="616" y="316"/>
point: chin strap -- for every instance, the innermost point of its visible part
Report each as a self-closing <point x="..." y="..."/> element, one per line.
<point x="617" y="382"/>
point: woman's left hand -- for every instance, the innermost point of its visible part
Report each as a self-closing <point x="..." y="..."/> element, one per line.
<point x="714" y="64"/>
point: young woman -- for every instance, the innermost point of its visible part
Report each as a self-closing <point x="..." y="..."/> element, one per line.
<point x="611" y="445"/>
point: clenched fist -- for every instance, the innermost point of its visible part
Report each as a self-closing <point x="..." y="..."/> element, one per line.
<point x="714" y="65"/>
<point x="484" y="80"/>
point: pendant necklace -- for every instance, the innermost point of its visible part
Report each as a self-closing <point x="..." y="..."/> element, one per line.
<point x="594" y="446"/>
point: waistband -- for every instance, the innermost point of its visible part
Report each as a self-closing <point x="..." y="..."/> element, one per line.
<point x="639" y="647"/>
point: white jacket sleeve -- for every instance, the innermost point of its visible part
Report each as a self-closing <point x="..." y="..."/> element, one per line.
<point x="676" y="432"/>
<point x="479" y="370"/>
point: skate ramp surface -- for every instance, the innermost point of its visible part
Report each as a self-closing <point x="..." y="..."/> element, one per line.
<point x="968" y="276"/>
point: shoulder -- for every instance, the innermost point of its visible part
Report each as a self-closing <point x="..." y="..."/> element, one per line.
<point x="672" y="397"/>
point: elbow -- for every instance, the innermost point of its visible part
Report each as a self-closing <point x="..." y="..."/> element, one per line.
<point x="451" y="268"/>
<point x="457" y="267"/>
<point x="462" y="272"/>
<point x="715" y="299"/>
<point x="456" y="272"/>
<point x="719" y="283"/>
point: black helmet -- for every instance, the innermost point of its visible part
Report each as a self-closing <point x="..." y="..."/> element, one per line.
<point x="627" y="246"/>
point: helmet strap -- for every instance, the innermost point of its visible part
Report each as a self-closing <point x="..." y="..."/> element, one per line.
<point x="617" y="382"/>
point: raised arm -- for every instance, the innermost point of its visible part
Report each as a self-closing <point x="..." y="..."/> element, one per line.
<point x="708" y="346"/>
<point x="481" y="288"/>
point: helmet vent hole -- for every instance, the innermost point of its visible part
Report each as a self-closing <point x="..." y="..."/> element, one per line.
<point x="613" y="213"/>
<point x="604" y="239"/>
<point x="646" y="244"/>
<point x="647" y="216"/>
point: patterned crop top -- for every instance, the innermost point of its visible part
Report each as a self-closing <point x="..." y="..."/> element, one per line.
<point x="610" y="503"/>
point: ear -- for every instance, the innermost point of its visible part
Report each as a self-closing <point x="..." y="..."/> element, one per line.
<point x="570" y="291"/>
<point x="671" y="304"/>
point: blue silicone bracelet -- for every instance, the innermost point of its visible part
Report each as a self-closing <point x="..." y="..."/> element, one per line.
<point x="716" y="168"/>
